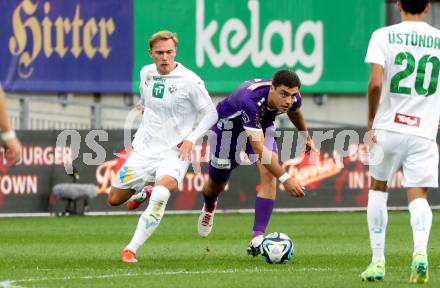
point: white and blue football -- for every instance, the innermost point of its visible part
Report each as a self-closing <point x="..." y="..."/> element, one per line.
<point x="277" y="248"/>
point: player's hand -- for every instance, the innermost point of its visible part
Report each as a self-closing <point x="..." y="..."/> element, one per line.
<point x="12" y="151"/>
<point x="310" y="146"/>
<point x="371" y="138"/>
<point x="185" y="150"/>
<point x="294" y="188"/>
<point x="371" y="135"/>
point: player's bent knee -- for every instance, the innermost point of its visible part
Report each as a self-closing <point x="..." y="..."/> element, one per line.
<point x="168" y="182"/>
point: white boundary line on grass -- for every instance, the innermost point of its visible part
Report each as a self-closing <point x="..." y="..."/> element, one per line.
<point x="12" y="283"/>
<point x="224" y="211"/>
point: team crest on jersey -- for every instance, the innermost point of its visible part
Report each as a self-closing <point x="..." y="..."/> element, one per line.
<point x="172" y="89"/>
<point x="245" y="117"/>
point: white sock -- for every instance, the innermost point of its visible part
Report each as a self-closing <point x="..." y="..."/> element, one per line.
<point x="377" y="217"/>
<point x="151" y="217"/>
<point x="421" y="221"/>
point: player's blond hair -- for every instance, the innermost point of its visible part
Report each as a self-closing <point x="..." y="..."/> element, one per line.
<point x="162" y="35"/>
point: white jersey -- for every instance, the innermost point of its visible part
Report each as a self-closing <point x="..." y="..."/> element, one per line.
<point x="410" y="99"/>
<point x="171" y="103"/>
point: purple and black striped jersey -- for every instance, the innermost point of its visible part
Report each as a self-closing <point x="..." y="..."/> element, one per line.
<point x="249" y="102"/>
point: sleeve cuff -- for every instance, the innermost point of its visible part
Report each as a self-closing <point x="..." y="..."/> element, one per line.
<point x="6" y="136"/>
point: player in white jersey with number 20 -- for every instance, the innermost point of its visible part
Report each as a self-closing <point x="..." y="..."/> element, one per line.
<point x="173" y="97"/>
<point x="403" y="117"/>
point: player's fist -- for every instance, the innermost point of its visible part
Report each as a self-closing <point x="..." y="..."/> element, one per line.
<point x="12" y="151"/>
<point x="294" y="188"/>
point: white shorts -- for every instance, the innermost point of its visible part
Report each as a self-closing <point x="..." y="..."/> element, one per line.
<point x="138" y="170"/>
<point x="417" y="156"/>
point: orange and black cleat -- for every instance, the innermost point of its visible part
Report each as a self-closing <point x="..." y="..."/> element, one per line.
<point x="128" y="256"/>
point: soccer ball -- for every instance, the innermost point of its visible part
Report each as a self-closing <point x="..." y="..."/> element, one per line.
<point x="277" y="248"/>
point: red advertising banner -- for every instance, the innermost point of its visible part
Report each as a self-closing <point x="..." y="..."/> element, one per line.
<point x="335" y="176"/>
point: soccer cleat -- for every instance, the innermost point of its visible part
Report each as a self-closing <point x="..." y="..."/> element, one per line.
<point x="374" y="272"/>
<point x="206" y="220"/>
<point x="128" y="256"/>
<point x="419" y="269"/>
<point x="254" y="247"/>
<point x="140" y="198"/>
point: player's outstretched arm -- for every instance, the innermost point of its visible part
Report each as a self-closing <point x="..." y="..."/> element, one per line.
<point x="270" y="161"/>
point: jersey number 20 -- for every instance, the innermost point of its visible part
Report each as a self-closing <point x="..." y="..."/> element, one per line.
<point x="421" y="74"/>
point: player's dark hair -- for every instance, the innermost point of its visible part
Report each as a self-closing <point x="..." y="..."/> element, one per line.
<point x="414" y="6"/>
<point x="287" y="78"/>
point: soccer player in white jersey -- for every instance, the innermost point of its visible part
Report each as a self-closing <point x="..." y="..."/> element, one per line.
<point x="173" y="97"/>
<point x="8" y="139"/>
<point x="403" y="117"/>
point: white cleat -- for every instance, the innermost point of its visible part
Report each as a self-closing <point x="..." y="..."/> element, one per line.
<point x="206" y="220"/>
<point x="254" y="247"/>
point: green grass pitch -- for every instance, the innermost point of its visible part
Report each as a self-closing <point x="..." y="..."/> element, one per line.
<point x="331" y="250"/>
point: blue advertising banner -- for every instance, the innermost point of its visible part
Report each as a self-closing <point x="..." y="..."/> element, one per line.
<point x="71" y="46"/>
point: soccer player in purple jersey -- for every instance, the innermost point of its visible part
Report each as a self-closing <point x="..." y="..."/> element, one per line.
<point x="249" y="114"/>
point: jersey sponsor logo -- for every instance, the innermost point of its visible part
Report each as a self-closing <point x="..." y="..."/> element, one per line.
<point x="220" y="163"/>
<point x="407" y="120"/>
<point x="158" y="90"/>
<point x="159" y="79"/>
